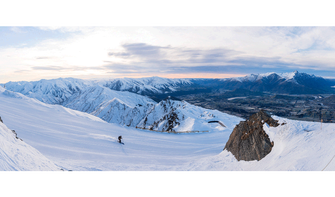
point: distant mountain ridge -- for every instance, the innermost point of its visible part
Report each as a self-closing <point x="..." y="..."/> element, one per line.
<point x="53" y="91"/>
<point x="146" y="86"/>
<point x="126" y="101"/>
<point x="56" y="91"/>
<point x="285" y="83"/>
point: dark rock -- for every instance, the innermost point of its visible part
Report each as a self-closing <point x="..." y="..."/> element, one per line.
<point x="1" y="119"/>
<point x="248" y="141"/>
<point x="16" y="135"/>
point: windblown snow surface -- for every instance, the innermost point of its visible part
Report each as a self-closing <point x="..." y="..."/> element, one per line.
<point x="15" y="154"/>
<point x="75" y="140"/>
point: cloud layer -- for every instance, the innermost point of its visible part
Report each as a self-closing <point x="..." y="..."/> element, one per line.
<point x="147" y="51"/>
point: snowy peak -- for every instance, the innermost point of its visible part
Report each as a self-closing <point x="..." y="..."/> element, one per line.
<point x="283" y="76"/>
<point x="149" y="85"/>
<point x="256" y="77"/>
<point x="97" y="96"/>
<point x="287" y="83"/>
<point x="54" y="91"/>
<point x="2" y="89"/>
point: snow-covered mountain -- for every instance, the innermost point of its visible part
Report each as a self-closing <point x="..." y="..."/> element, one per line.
<point x="180" y="116"/>
<point x="146" y="86"/>
<point x="288" y="83"/>
<point x="57" y="91"/>
<point x="123" y="108"/>
<point x="54" y="91"/>
<point x="129" y="109"/>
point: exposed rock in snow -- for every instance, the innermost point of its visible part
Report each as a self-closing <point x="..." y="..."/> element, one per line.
<point x="249" y="141"/>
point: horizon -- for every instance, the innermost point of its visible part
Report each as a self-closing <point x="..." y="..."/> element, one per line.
<point x="106" y="78"/>
<point x="33" y="53"/>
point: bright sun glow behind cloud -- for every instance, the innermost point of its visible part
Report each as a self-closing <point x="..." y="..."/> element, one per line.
<point x="92" y="52"/>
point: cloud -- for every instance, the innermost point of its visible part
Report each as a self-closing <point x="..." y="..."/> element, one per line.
<point x="40" y="58"/>
<point x="161" y="58"/>
<point x="71" y="68"/>
<point x="17" y="30"/>
<point x="141" y="53"/>
<point x="124" y="50"/>
<point x="58" y="68"/>
<point x="124" y="68"/>
<point x="120" y="54"/>
<point x="145" y="51"/>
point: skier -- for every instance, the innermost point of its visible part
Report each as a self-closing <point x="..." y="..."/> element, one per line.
<point x="119" y="138"/>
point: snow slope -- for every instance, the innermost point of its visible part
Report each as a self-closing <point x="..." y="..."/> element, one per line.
<point x="180" y="116"/>
<point x="79" y="141"/>
<point x="298" y="145"/>
<point x="16" y="154"/>
<point x="123" y="108"/>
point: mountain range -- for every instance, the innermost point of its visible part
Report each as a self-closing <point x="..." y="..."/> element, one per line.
<point x="126" y="101"/>
<point x="280" y="83"/>
<point x="124" y="107"/>
<point x="285" y="83"/>
<point x="56" y="91"/>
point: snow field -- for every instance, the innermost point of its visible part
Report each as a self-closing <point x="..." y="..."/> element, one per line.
<point x="75" y="140"/>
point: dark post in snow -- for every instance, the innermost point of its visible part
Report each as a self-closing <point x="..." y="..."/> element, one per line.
<point x="321" y="116"/>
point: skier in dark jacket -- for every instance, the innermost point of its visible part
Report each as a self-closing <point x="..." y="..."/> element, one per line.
<point x="119" y="138"/>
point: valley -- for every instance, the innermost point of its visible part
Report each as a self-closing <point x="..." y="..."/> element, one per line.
<point x="297" y="107"/>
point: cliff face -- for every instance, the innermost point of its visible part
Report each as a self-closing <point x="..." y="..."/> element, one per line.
<point x="248" y="141"/>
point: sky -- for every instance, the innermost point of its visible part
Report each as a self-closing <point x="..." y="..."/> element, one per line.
<point x="32" y="53"/>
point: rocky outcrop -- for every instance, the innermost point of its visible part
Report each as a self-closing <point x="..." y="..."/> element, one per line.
<point x="16" y="135"/>
<point x="248" y="141"/>
<point x="1" y="119"/>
